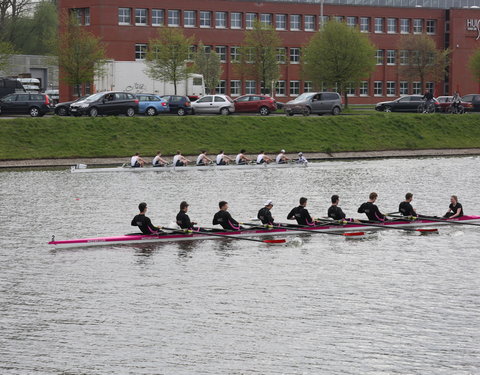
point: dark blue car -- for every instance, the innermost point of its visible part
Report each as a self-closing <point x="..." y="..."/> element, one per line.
<point x="178" y="104"/>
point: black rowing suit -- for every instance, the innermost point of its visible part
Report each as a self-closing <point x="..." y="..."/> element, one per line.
<point x="144" y="224"/>
<point x="302" y="216"/>
<point x="454" y="209"/>
<point x="372" y="212"/>
<point x="406" y="209"/>
<point x="183" y="220"/>
<point x="226" y="220"/>
<point x="336" y="213"/>
<point x="265" y="216"/>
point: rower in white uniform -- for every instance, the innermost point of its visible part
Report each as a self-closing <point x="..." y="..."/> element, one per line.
<point x="241" y="159"/>
<point x="222" y="159"/>
<point x="281" y="158"/>
<point x="136" y="161"/>
<point x="179" y="160"/>
<point x="262" y="158"/>
<point x="158" y="161"/>
<point x="203" y="159"/>
<point x="301" y="159"/>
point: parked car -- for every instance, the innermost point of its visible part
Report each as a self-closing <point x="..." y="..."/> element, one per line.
<point x="407" y="103"/>
<point x="36" y="105"/>
<point x="10" y="86"/>
<point x="106" y="103"/>
<point x="221" y="104"/>
<point x="178" y="104"/>
<point x="63" y="109"/>
<point x="53" y="94"/>
<point x="473" y="100"/>
<point x="262" y="104"/>
<point x="445" y="104"/>
<point x="315" y="102"/>
<point x="151" y="104"/>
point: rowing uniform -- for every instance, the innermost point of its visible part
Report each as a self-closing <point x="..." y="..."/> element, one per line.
<point x="226" y="220"/>
<point x="260" y="159"/>
<point x="156" y="162"/>
<point x="454" y="209"/>
<point x="239" y="159"/>
<point x="220" y="160"/>
<point x="279" y="159"/>
<point x="302" y="160"/>
<point x="265" y="216"/>
<point x="144" y="224"/>
<point x="336" y="213"/>
<point x="177" y="162"/>
<point x="302" y="216"/>
<point x="372" y="212"/>
<point x="406" y="209"/>
<point x="134" y="162"/>
<point x="200" y="159"/>
<point x="183" y="220"/>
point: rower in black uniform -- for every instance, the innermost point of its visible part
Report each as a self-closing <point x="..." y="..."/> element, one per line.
<point x="183" y="220"/>
<point x="143" y="222"/>
<point x="264" y="214"/>
<point x="371" y="210"/>
<point x="335" y="212"/>
<point x="301" y="214"/>
<point x="224" y="218"/>
<point x="405" y="207"/>
<point x="455" y="208"/>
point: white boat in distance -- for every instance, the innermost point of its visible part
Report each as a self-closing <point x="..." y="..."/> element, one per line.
<point x="83" y="168"/>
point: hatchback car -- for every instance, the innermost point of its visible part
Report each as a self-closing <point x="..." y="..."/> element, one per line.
<point x="63" y="108"/>
<point x="151" y="104"/>
<point x="106" y="103"/>
<point x="407" y="103"/>
<point x="315" y="102"/>
<point x="178" y="104"/>
<point x="221" y="104"/>
<point x="262" y="104"/>
<point x="473" y="100"/>
<point x="36" y="105"/>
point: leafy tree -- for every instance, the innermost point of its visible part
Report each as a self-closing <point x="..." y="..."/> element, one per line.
<point x="338" y="55"/>
<point x="425" y="61"/>
<point x="11" y="12"/>
<point x="6" y="51"/>
<point x="167" y="56"/>
<point x="474" y="64"/>
<point x="208" y="63"/>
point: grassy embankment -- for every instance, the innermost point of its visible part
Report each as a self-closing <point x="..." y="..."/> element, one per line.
<point x="56" y="137"/>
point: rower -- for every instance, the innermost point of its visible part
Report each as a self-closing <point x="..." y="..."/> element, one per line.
<point x="143" y="222"/>
<point x="262" y="158"/>
<point x="281" y="158"/>
<point x="301" y="214"/>
<point x="455" y="208"/>
<point x="405" y="207"/>
<point x="371" y="210"/>
<point x="301" y="159"/>
<point x="222" y="159"/>
<point x="241" y="159"/>
<point x="158" y="161"/>
<point x="224" y="218"/>
<point x="179" y="160"/>
<point x="136" y="161"/>
<point x="203" y="159"/>
<point x="264" y="213"/>
<point x="183" y="220"/>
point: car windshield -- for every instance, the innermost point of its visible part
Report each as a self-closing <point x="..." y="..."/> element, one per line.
<point x="303" y="97"/>
<point x="94" y="97"/>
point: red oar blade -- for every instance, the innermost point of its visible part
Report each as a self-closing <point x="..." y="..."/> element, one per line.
<point x="429" y="230"/>
<point x="275" y="241"/>
<point x="352" y="234"/>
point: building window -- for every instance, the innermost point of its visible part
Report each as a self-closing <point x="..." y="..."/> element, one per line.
<point x="417" y="26"/>
<point x="205" y="19"/>
<point x="379" y="56"/>
<point x="363" y="89"/>
<point x="364" y="24"/>
<point x="249" y="55"/>
<point x="351" y="21"/>
<point x="294" y="88"/>
<point x="338" y="18"/>
<point x="391" y="57"/>
<point x="222" y="53"/>
<point x="280" y="88"/>
<point x="157" y="17"/>
<point x="173" y="18"/>
<point x="404" y="25"/>
<point x="221" y="88"/>
<point x="307" y="86"/>
<point x="234" y="54"/>
<point x="207" y="48"/>
<point x="124" y="16"/>
<point x="429" y="86"/>
<point x="281" y="21"/>
<point x="350" y="89"/>
<point x="189" y="18"/>
<point x="235" y="88"/>
<point x="403" y="88"/>
<point x="391" y="88"/>
<point x="266" y="19"/>
<point x="191" y="52"/>
<point x="378" y="88"/>
<point x="220" y="20"/>
<point x="403" y="57"/>
<point x="431" y="26"/>
<point x="281" y="55"/>
<point x="294" y="55"/>
<point x="416" y="88"/>
<point x="250" y="87"/>
<point x="295" y="22"/>
<point x="309" y="23"/>
<point x="322" y="20"/>
<point x="140" y="51"/>
<point x="86" y="14"/>
<point x="391" y="25"/>
<point x="379" y="25"/>
<point x="250" y="20"/>
<point x="140" y="17"/>
<point x="236" y="20"/>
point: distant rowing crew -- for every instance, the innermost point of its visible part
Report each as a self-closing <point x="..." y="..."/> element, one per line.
<point x="179" y="160"/>
<point x="300" y="214"/>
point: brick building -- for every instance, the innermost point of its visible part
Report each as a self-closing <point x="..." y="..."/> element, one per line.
<point x="127" y="26"/>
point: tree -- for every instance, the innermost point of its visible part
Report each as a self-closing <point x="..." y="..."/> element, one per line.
<point x="81" y="55"/>
<point x="424" y="60"/>
<point x="260" y="50"/>
<point x="167" y="56"/>
<point x="6" y="51"/>
<point x="208" y="63"/>
<point x="474" y="64"/>
<point x="338" y="55"/>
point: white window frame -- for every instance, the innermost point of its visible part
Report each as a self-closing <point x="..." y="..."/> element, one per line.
<point x="236" y="20"/>
<point x="307" y="86"/>
<point x="235" y="87"/>
<point x="380" y="55"/>
<point x="431" y="24"/>
<point x="158" y="14"/>
<point x="294" y="55"/>
<point x="222" y="53"/>
<point x="416" y="88"/>
<point x="392" y="26"/>
<point x="403" y="57"/>
<point x="205" y="19"/>
<point x="173" y="16"/>
<point x="250" y="87"/>
<point x="221" y="87"/>
<point x="141" y="14"/>
<point x="189" y="18"/>
<point x="223" y="23"/>
<point x="309" y="22"/>
<point x="294" y="87"/>
<point x="391" y="88"/>
<point x="350" y="89"/>
<point x="280" y="19"/>
<point x="295" y="22"/>
<point x="430" y="86"/>
<point x="234" y="54"/>
<point x="266" y="19"/>
<point x="250" y="20"/>
<point x="86" y="16"/>
<point x="404" y="25"/>
<point x="391" y="57"/>
<point x="281" y="55"/>
<point x="123" y="16"/>
<point x="141" y="50"/>
<point x="377" y="88"/>
<point x="365" y="24"/>
<point x="403" y="88"/>
<point x="363" y="88"/>
<point x="281" y="88"/>
<point x="417" y="25"/>
<point x="351" y="21"/>
<point x="379" y="21"/>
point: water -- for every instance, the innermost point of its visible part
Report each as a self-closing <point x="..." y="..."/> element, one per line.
<point x="392" y="303"/>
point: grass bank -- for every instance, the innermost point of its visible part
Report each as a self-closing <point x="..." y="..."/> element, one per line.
<point x="57" y="137"/>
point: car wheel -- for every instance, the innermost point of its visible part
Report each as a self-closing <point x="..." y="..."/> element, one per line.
<point x="225" y="111"/>
<point x="93" y="112"/>
<point x="289" y="113"/>
<point x="307" y="111"/>
<point x="264" y="111"/>
<point x="335" y="111"/>
<point x="387" y="109"/>
<point x="62" y="111"/>
<point x="181" y="112"/>
<point x="130" y="112"/>
<point x="34" y="112"/>
<point x="151" y="111"/>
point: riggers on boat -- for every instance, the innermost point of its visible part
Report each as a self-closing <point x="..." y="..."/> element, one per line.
<point x="173" y="236"/>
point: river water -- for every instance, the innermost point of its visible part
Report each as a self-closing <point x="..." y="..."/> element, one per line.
<point x="391" y="303"/>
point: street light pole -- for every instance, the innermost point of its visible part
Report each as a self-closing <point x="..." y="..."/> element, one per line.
<point x="321" y="14"/>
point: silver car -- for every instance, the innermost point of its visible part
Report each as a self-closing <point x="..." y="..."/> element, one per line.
<point x="221" y="104"/>
<point x="315" y="102"/>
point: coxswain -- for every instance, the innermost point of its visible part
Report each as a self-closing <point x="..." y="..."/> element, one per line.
<point x="158" y="161"/>
<point x="183" y="221"/>
<point x="222" y="159"/>
<point x="281" y="158"/>
<point x="405" y="207"/>
<point x="265" y="214"/>
<point x="136" y="161"/>
<point x="224" y="218"/>
<point x="143" y="222"/>
<point x="455" y="208"/>
<point x="371" y="210"/>
<point x="203" y="159"/>
<point x="301" y="214"/>
<point x="179" y="160"/>
<point x="262" y="158"/>
<point x="301" y="159"/>
<point x="241" y="159"/>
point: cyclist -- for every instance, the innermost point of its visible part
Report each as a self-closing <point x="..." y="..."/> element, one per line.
<point x="428" y="97"/>
<point x="456" y="102"/>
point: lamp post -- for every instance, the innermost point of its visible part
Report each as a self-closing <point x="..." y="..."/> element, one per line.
<point x="321" y="14"/>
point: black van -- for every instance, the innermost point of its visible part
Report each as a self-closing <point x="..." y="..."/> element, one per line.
<point x="10" y="86"/>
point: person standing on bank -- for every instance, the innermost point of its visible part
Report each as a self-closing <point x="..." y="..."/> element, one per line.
<point x="265" y="214"/>
<point x="405" y="207"/>
<point x="143" y="222"/>
<point x="183" y="220"/>
<point x="455" y="208"/>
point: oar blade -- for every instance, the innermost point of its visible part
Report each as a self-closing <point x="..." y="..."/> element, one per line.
<point x="353" y="234"/>
<point x="274" y="241"/>
<point x="429" y="230"/>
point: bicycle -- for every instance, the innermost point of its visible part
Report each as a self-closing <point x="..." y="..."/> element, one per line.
<point x="426" y="108"/>
<point x="456" y="110"/>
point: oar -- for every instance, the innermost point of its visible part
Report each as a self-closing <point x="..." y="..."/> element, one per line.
<point x="368" y="224"/>
<point x="413" y="218"/>
<point x="298" y="228"/>
<point x="225" y="236"/>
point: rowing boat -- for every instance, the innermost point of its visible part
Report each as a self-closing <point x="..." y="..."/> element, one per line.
<point x="176" y="236"/>
<point x="83" y="168"/>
